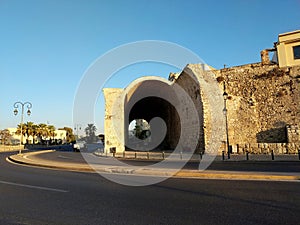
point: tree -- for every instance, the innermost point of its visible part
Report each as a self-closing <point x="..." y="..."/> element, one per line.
<point x="25" y="130"/>
<point x="34" y="132"/>
<point x="142" y="129"/>
<point x="5" y="136"/>
<point x="51" y="129"/>
<point x="28" y="129"/>
<point x="90" y="131"/>
<point x="138" y="130"/>
<point x="42" y="131"/>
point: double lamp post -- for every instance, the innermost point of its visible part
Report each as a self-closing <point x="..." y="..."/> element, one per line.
<point x="22" y="105"/>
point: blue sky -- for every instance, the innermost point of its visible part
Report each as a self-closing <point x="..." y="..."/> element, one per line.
<point x="46" y="46"/>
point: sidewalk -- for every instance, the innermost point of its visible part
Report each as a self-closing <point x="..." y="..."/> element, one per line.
<point x="75" y="162"/>
<point x="196" y="157"/>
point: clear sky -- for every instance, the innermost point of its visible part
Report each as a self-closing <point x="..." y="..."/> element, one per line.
<point x="46" y="46"/>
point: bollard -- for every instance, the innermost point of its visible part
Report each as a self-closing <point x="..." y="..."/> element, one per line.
<point x="114" y="154"/>
<point x="200" y="155"/>
<point x="148" y="155"/>
<point x="135" y="155"/>
<point x="299" y="154"/>
<point x="247" y="155"/>
<point x="180" y="154"/>
<point x="272" y="154"/>
<point x="223" y="155"/>
<point x="163" y="155"/>
<point x="124" y="154"/>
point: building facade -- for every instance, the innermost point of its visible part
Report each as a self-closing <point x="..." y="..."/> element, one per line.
<point x="288" y="49"/>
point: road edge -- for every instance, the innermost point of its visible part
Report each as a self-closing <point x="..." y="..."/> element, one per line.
<point x="217" y="175"/>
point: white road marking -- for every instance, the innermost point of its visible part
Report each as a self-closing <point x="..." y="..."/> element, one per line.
<point x="63" y="157"/>
<point x="32" y="186"/>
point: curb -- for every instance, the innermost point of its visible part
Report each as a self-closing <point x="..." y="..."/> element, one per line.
<point x="14" y="159"/>
<point x="221" y="175"/>
<point x="238" y="176"/>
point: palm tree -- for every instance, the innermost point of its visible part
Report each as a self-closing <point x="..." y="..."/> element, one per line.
<point x="42" y="131"/>
<point x="34" y="132"/>
<point x="90" y="131"/>
<point x="51" y="129"/>
<point x="18" y="131"/>
<point x="28" y="130"/>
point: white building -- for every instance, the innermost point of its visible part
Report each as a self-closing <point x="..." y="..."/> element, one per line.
<point x="58" y="134"/>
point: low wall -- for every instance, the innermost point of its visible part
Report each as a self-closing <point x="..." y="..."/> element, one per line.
<point x="68" y="147"/>
<point x="5" y="148"/>
<point x="266" y="148"/>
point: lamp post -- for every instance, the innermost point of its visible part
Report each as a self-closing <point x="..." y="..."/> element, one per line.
<point x="16" y="106"/>
<point x="77" y="127"/>
<point x="225" y="97"/>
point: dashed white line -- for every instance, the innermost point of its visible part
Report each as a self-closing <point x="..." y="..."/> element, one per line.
<point x="32" y="186"/>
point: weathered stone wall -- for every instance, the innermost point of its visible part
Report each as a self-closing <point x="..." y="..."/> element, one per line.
<point x="267" y="148"/>
<point x="263" y="108"/>
<point x="263" y="101"/>
<point x="293" y="134"/>
<point x="114" y="111"/>
<point x="201" y="85"/>
<point x="191" y="86"/>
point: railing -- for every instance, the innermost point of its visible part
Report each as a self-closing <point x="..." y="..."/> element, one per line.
<point x="158" y="156"/>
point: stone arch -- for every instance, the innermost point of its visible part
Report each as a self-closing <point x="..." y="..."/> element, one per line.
<point x="149" y="97"/>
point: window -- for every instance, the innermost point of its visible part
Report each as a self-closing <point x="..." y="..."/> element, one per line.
<point x="296" y="50"/>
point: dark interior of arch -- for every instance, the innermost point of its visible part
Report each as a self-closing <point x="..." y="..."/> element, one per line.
<point x="151" y="107"/>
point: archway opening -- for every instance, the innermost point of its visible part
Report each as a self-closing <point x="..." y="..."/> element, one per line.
<point x="141" y="135"/>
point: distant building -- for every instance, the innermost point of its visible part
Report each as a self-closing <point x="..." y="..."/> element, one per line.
<point x="288" y="49"/>
<point x="59" y="135"/>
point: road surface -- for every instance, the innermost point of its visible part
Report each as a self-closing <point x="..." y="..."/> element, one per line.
<point x="43" y="196"/>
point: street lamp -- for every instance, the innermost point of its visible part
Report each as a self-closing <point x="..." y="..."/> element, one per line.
<point x="77" y="127"/>
<point x="16" y="106"/>
<point x="225" y="97"/>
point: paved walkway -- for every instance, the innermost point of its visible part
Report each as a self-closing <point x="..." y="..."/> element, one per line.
<point x="76" y="162"/>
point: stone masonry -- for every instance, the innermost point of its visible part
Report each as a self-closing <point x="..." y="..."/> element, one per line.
<point x="263" y="105"/>
<point x="262" y="108"/>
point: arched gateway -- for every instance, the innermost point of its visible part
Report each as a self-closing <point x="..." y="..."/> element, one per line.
<point x="176" y="111"/>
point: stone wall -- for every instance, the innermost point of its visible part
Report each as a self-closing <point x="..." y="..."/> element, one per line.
<point x="293" y="134"/>
<point x="267" y="148"/>
<point x="263" y="102"/>
<point x="114" y="111"/>
<point x="263" y="108"/>
<point x="201" y="85"/>
<point x="191" y="86"/>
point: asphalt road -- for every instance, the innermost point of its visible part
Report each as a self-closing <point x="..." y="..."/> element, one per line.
<point x="259" y="166"/>
<point x="42" y="196"/>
